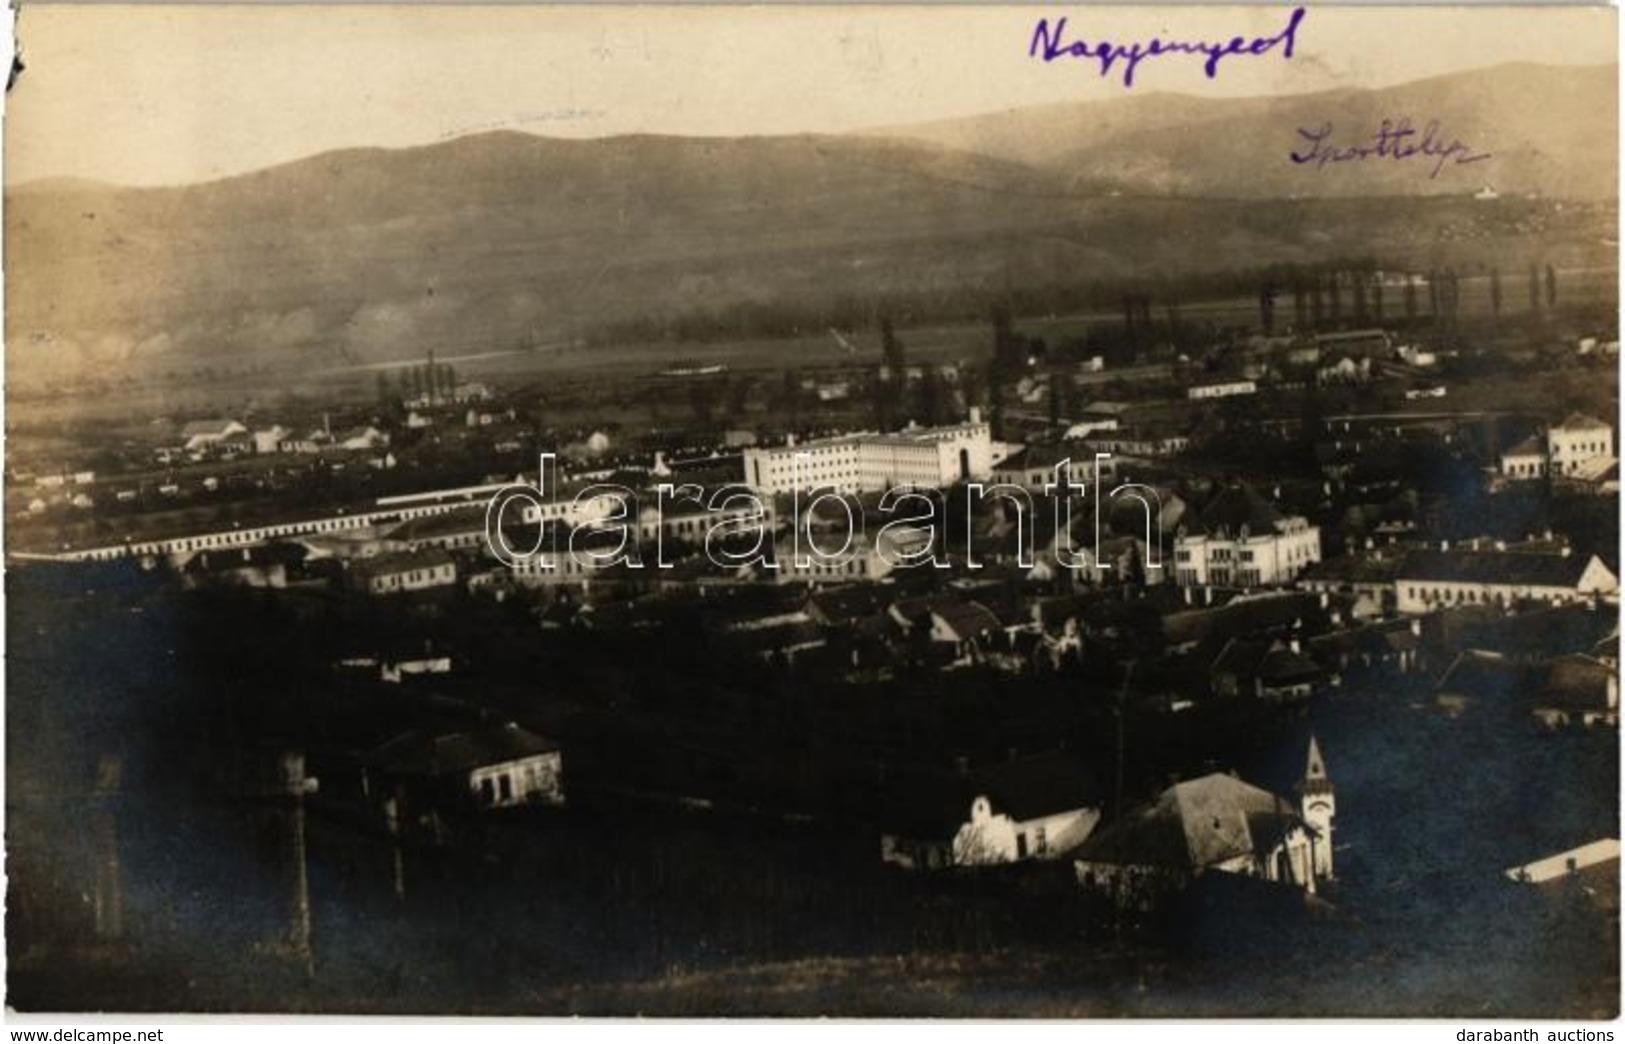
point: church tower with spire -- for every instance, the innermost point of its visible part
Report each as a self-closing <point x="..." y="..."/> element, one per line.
<point x="1318" y="805"/>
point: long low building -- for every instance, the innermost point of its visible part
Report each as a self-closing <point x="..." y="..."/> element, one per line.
<point x="915" y="458"/>
<point x="1429" y="580"/>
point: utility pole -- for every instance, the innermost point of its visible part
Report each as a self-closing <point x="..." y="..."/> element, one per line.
<point x="291" y="788"/>
<point x="109" y="897"/>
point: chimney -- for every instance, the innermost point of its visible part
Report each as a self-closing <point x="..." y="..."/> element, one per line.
<point x="976" y="414"/>
<point x="790" y="440"/>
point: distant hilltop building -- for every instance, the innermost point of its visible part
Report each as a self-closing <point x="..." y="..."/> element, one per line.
<point x="201" y="434"/>
<point x="1222" y="389"/>
<point x="917" y="458"/>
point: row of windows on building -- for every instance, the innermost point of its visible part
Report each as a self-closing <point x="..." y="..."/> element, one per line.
<point x="1456" y="594"/>
<point x="854" y="566"/>
<point x="1595" y="449"/>
<point x="413" y="576"/>
<point x="500" y="788"/>
<point x="1294" y="554"/>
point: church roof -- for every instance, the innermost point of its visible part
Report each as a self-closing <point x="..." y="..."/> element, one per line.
<point x="1315" y="779"/>
<point x="1194" y="825"/>
<point x="1316" y="767"/>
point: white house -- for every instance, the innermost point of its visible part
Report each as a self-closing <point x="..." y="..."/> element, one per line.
<point x="423" y="780"/>
<point x="1085" y="428"/>
<point x="1578" y="439"/>
<point x="362" y="438"/>
<point x="269" y="440"/>
<point x="404" y="571"/>
<point x="202" y="434"/>
<point x="1034" y="808"/>
<point x="1526" y="460"/>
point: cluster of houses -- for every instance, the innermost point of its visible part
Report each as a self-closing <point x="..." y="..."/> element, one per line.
<point x="1349" y="357"/>
<point x="1228" y="586"/>
<point x="224" y="455"/>
<point x="225" y="439"/>
<point x="1048" y="809"/>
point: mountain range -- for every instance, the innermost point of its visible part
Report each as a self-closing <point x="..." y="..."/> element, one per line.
<point x="499" y="238"/>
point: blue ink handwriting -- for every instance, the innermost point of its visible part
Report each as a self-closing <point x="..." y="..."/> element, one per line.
<point x="1395" y="139"/>
<point x="1049" y="44"/>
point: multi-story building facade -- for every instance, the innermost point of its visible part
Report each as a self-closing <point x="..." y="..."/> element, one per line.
<point x="1578" y="439"/>
<point x="915" y="458"/>
<point x="1242" y="540"/>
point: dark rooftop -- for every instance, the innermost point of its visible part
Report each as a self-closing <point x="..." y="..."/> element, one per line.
<point x="424" y="754"/>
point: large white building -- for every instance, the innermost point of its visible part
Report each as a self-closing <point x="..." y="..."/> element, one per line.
<point x="1035" y="808"/>
<point x="1526" y="460"/>
<point x="1242" y="540"/>
<point x="915" y="458"/>
<point x="1430" y="580"/>
<point x="1578" y="439"/>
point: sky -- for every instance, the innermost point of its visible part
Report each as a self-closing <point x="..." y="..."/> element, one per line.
<point x="146" y="95"/>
